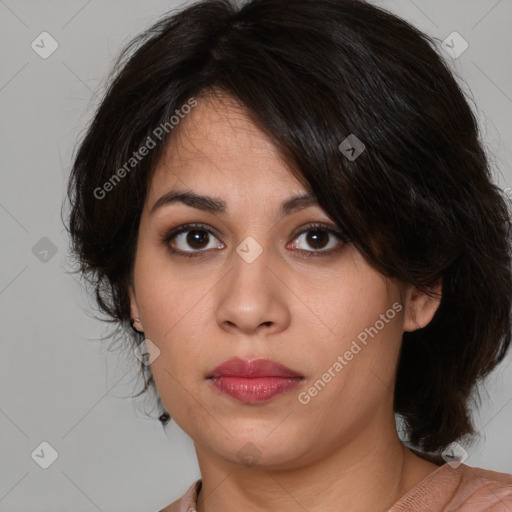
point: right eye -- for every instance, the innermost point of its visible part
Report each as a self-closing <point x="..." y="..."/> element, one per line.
<point x="196" y="237"/>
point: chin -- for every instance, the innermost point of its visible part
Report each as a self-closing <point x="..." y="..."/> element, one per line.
<point x="261" y="451"/>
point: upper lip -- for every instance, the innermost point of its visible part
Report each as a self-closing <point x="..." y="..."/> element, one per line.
<point x="259" y="367"/>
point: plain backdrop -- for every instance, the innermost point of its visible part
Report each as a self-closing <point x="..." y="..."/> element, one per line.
<point x="58" y="384"/>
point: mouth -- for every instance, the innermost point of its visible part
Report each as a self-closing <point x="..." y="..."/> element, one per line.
<point x="252" y="368"/>
<point x="254" y="390"/>
<point x="253" y="381"/>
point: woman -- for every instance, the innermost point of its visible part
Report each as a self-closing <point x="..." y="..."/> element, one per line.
<point x="288" y="206"/>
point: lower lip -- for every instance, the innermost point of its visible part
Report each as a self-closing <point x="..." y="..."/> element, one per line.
<point x="254" y="390"/>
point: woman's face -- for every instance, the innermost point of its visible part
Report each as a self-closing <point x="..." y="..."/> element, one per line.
<point x="242" y="285"/>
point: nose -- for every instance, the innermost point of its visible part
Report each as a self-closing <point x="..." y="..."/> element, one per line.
<point x="252" y="297"/>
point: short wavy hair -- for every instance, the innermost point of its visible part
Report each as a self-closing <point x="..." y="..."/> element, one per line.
<point x="418" y="203"/>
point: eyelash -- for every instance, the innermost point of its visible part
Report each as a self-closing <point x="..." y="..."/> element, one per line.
<point x="167" y="237"/>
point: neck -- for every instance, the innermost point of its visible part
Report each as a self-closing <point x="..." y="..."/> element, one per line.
<point x="372" y="472"/>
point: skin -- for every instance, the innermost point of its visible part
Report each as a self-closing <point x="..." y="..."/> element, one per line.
<point x="341" y="450"/>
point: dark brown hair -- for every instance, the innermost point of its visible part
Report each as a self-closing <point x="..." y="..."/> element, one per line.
<point x="418" y="202"/>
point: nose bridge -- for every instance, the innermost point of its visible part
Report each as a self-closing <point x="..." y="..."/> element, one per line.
<point x="251" y="294"/>
<point x="250" y="271"/>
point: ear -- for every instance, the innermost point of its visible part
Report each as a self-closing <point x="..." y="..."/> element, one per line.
<point x="420" y="307"/>
<point x="134" y="310"/>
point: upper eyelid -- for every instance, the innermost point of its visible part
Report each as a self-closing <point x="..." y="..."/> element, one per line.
<point x="189" y="227"/>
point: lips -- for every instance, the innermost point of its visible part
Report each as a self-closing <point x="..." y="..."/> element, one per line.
<point x="253" y="381"/>
<point x="260" y="367"/>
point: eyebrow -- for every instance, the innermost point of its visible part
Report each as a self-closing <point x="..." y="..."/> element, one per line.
<point x="218" y="206"/>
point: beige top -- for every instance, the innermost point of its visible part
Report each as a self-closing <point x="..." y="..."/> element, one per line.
<point x="464" y="489"/>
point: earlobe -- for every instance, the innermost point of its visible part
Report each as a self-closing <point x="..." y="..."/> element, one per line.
<point x="420" y="308"/>
<point x="134" y="311"/>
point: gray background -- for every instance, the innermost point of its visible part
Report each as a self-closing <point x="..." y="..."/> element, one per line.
<point x="57" y="382"/>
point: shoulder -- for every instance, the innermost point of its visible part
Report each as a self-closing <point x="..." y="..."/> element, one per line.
<point x="485" y="489"/>
<point x="187" y="502"/>
<point x="460" y="489"/>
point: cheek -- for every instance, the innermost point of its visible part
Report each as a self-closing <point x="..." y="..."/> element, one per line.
<point x="167" y="297"/>
<point x="344" y="395"/>
<point x="179" y="369"/>
<point x="359" y="356"/>
<point x="172" y="319"/>
<point x="174" y="390"/>
<point x="349" y="307"/>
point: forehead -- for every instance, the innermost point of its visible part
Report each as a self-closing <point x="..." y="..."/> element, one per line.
<point x="217" y="145"/>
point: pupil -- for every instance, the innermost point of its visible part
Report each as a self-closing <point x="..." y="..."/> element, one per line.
<point x="197" y="238"/>
<point x="314" y="237"/>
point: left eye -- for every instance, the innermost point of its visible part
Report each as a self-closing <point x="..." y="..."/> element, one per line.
<point x="320" y="239"/>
